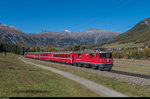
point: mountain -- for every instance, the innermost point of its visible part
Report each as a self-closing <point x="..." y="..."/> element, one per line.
<point x="140" y="33"/>
<point x="90" y="36"/>
<point x="66" y="38"/>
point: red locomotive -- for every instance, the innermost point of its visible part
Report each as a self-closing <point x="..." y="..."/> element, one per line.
<point x="96" y="58"/>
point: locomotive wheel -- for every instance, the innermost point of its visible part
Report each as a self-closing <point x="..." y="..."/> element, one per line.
<point x="94" y="67"/>
<point x="76" y="64"/>
<point x="101" y="69"/>
<point x="79" y="65"/>
<point x="109" y="69"/>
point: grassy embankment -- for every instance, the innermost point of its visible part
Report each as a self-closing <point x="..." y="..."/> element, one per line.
<point x="128" y="89"/>
<point x="18" y="79"/>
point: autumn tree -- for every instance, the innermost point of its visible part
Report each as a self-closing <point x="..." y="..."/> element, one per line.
<point x="33" y="49"/>
<point x="37" y="48"/>
<point x="52" y="48"/>
<point x="19" y="48"/>
<point x="27" y="48"/>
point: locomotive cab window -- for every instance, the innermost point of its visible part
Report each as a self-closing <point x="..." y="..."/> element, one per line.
<point x="100" y="55"/>
<point x="104" y="55"/>
<point x="91" y="55"/>
<point x="96" y="55"/>
<point x="79" y="55"/>
<point x="109" y="55"/>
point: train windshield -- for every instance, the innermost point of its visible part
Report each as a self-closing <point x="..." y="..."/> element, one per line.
<point x="109" y="55"/>
<point x="104" y="55"/>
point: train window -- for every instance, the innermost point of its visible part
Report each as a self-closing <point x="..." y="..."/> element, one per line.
<point x="104" y="55"/>
<point x="91" y="55"/>
<point x="63" y="56"/>
<point x="100" y="55"/>
<point x="109" y="55"/>
<point x="58" y="55"/>
<point x="96" y="55"/>
<point x="66" y="56"/>
<point x="79" y="55"/>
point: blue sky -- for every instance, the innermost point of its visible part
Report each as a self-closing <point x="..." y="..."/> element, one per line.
<point x="34" y="16"/>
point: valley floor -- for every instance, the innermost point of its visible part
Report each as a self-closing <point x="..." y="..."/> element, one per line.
<point x="136" y="86"/>
<point x="18" y="79"/>
<point x="132" y="65"/>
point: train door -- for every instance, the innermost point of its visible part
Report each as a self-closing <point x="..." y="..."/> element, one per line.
<point x="109" y="58"/>
<point x="104" y="57"/>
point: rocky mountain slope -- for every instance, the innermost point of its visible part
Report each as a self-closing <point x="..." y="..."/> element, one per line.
<point x="61" y="39"/>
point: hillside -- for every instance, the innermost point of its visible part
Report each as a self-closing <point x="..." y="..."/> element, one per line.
<point x="66" y="38"/>
<point x="140" y="33"/>
<point x="138" y="36"/>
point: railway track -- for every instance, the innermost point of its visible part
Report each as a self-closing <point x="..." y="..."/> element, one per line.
<point x="112" y="71"/>
<point x="129" y="74"/>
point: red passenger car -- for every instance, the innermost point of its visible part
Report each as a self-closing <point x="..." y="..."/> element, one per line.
<point x="96" y="58"/>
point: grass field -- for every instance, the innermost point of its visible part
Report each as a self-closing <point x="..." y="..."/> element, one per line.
<point x="136" y="61"/>
<point x="127" y="45"/>
<point x="123" y="65"/>
<point x="128" y="89"/>
<point x="132" y="68"/>
<point x="18" y="79"/>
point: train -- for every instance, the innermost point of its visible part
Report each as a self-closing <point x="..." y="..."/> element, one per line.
<point x="100" y="58"/>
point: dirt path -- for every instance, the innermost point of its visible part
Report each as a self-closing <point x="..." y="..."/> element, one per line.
<point x="99" y="89"/>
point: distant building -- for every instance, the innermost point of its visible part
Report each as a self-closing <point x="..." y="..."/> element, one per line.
<point x="141" y="49"/>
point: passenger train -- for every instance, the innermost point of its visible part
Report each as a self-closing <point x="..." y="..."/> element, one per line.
<point x="94" y="58"/>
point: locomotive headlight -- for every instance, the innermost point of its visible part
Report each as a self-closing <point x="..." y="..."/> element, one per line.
<point x="107" y="60"/>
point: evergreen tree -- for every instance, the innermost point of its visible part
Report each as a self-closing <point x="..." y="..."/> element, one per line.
<point x="1" y="46"/>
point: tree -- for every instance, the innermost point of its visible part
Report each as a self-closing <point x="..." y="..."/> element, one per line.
<point x="37" y="48"/>
<point x="47" y="49"/>
<point x="27" y="48"/>
<point x="1" y="46"/>
<point x="52" y="48"/>
<point x="33" y="49"/>
<point x="19" y="48"/>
